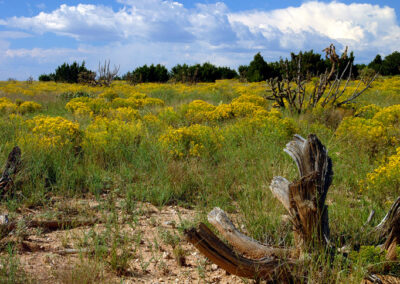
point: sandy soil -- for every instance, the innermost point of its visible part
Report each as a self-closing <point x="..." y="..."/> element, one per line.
<point x="153" y="245"/>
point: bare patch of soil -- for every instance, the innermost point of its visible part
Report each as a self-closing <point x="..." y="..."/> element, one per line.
<point x="142" y="246"/>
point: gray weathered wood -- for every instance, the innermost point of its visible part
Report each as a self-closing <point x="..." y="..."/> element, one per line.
<point x="242" y="243"/>
<point x="305" y="198"/>
<point x="10" y="169"/>
<point x="389" y="228"/>
<point x="268" y="268"/>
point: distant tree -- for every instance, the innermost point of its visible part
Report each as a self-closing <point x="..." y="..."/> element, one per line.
<point x="47" y="77"/>
<point x="258" y="69"/>
<point x="206" y="72"/>
<point x="391" y="64"/>
<point x="243" y="69"/>
<point x="143" y="74"/>
<point x="311" y="63"/>
<point x="69" y="73"/>
<point x="376" y="64"/>
<point x="227" y="73"/>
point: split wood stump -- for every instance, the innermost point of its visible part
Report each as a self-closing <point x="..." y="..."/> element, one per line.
<point x="10" y="169"/>
<point x="304" y="199"/>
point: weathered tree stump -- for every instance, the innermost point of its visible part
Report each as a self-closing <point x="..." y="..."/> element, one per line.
<point x="389" y="229"/>
<point x="10" y="169"/>
<point x="304" y="199"/>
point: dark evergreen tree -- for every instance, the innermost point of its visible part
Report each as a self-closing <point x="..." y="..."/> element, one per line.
<point x="391" y="64"/>
<point x="376" y="64"/>
<point x="258" y="69"/>
<point x="69" y="73"/>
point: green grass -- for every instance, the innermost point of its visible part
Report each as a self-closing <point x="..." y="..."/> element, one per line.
<point x="235" y="178"/>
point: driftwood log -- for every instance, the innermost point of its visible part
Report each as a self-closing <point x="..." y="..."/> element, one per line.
<point x="304" y="199"/>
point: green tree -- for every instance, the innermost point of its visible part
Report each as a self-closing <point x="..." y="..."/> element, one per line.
<point x="69" y="73"/>
<point x="376" y="64"/>
<point x="391" y="64"/>
<point x="258" y="69"/>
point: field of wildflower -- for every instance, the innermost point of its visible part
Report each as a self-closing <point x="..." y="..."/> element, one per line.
<point x="200" y="146"/>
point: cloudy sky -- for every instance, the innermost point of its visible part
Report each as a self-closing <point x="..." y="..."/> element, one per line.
<point x="37" y="36"/>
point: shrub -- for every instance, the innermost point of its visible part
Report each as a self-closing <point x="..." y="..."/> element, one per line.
<point x="371" y="135"/>
<point x="389" y="116"/>
<point x="110" y="141"/>
<point x="7" y="106"/>
<point x="368" y="111"/>
<point x="136" y="102"/>
<point x="194" y="141"/>
<point x="69" y="95"/>
<point x="109" y="95"/>
<point x="385" y="178"/>
<point x="124" y="114"/>
<point x="87" y="106"/>
<point x="28" y="107"/>
<point x="197" y="111"/>
<point x="52" y="132"/>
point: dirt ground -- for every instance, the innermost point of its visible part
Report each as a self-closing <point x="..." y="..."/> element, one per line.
<point x="146" y="246"/>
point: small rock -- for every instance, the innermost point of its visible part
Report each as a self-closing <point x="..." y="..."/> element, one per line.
<point x="166" y="255"/>
<point x="169" y="223"/>
<point x="3" y="219"/>
<point x="214" y="267"/>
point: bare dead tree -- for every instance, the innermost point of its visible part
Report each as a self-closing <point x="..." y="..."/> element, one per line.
<point x="304" y="200"/>
<point x="291" y="92"/>
<point x="106" y="76"/>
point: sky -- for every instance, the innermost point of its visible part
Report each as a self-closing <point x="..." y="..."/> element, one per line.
<point x="37" y="36"/>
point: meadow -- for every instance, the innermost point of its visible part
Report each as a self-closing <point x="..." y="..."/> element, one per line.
<point x="196" y="147"/>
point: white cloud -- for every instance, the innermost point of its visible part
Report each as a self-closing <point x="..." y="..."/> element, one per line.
<point x="164" y="31"/>
<point x="358" y="25"/>
<point x="13" y="34"/>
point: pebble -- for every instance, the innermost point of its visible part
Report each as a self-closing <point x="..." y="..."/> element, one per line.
<point x="214" y="267"/>
<point x="169" y="223"/>
<point x="166" y="255"/>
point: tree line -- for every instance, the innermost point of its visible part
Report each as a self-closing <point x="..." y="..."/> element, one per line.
<point x="312" y="64"/>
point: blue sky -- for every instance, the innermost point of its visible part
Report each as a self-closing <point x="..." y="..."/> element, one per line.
<point x="37" y="36"/>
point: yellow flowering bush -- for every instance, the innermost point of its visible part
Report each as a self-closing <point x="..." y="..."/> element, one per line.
<point x="389" y="115"/>
<point x="7" y="106"/>
<point x="169" y="116"/>
<point x="28" y="107"/>
<point x="195" y="141"/>
<point x="52" y="132"/>
<point x="370" y="134"/>
<point x="136" y="103"/>
<point x="253" y="99"/>
<point x="124" y="113"/>
<point x="197" y="111"/>
<point x="241" y="109"/>
<point x="386" y="177"/>
<point x="268" y="122"/>
<point x="109" y="95"/>
<point x="368" y="111"/>
<point x="87" y="106"/>
<point x="152" y="120"/>
<point x="109" y="139"/>
<point x="221" y="112"/>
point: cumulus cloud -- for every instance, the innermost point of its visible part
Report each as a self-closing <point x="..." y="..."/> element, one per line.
<point x="13" y="35"/>
<point x="165" y="31"/>
<point x="361" y="26"/>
